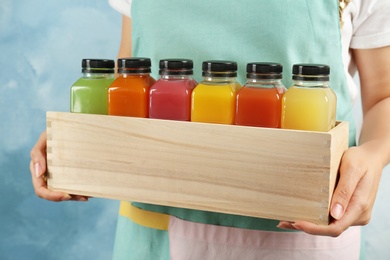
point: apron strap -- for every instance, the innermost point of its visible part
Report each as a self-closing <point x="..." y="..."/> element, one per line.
<point x="144" y="217"/>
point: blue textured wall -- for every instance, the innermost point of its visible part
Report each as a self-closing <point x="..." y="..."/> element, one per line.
<point x="42" y="43"/>
<point x="41" y="46"/>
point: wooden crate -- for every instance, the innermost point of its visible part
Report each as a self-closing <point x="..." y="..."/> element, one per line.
<point x="261" y="172"/>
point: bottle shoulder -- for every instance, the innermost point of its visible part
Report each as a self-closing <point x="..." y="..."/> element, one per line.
<point x="92" y="82"/>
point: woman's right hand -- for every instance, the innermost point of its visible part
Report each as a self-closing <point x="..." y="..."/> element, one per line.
<point x="38" y="174"/>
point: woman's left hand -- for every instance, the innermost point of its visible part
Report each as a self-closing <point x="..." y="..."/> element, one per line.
<point x="354" y="196"/>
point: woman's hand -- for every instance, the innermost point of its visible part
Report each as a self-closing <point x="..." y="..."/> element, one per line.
<point x="354" y="197"/>
<point x="38" y="170"/>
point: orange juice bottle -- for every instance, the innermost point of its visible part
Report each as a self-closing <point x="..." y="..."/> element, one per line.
<point x="309" y="104"/>
<point x="214" y="98"/>
<point x="128" y="95"/>
<point x="259" y="101"/>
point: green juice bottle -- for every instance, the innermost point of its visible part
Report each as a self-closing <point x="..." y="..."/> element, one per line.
<point x="89" y="93"/>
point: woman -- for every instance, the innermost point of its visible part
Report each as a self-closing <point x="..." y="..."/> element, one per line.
<point x="287" y="32"/>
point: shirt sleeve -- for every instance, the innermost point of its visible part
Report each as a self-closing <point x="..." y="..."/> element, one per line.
<point x="122" y="6"/>
<point x="371" y="24"/>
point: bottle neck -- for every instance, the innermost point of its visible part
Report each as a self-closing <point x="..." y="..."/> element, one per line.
<point x="176" y="77"/>
<point x="98" y="75"/>
<point x="264" y="81"/>
<point x="311" y="84"/>
<point x="219" y="80"/>
<point x="129" y="75"/>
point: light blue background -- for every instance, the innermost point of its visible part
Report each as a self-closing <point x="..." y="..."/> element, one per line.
<point x="42" y="43"/>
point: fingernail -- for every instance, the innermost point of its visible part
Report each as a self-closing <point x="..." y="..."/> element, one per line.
<point x="337" y="211"/>
<point x="295" y="226"/>
<point x="285" y="226"/>
<point x="37" y="169"/>
<point x="279" y="225"/>
<point x="66" y="197"/>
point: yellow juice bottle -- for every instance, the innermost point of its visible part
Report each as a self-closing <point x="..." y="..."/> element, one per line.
<point x="310" y="103"/>
<point x="214" y="98"/>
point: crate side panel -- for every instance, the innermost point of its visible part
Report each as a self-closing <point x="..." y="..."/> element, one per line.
<point x="339" y="144"/>
<point x="239" y="170"/>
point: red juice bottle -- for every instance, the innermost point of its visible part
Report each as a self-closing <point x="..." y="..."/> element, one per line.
<point x="259" y="102"/>
<point x="170" y="96"/>
<point x="128" y="95"/>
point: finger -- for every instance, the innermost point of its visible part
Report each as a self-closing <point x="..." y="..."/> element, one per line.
<point x="38" y="156"/>
<point x="38" y="169"/>
<point x="336" y="227"/>
<point x="286" y="225"/>
<point x="40" y="188"/>
<point x="350" y="175"/>
<point x="79" y="198"/>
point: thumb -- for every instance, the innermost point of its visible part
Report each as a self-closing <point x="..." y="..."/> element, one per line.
<point x="349" y="179"/>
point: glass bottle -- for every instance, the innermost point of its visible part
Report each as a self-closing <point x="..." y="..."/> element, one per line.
<point x="310" y="103"/>
<point x="170" y="96"/>
<point x="89" y="93"/>
<point x="128" y="94"/>
<point x="214" y="98"/>
<point x="259" y="101"/>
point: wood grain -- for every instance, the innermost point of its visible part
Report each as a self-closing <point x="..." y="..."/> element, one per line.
<point x="261" y="172"/>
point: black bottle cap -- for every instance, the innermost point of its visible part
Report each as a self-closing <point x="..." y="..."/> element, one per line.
<point x="264" y="70"/>
<point x="176" y="67"/>
<point x="311" y="72"/>
<point x="219" y="68"/>
<point x="134" y="65"/>
<point x="97" y="66"/>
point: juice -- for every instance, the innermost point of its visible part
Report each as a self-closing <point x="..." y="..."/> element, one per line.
<point x="128" y="95"/>
<point x="171" y="99"/>
<point x="170" y="96"/>
<point x="90" y="95"/>
<point x="309" y="109"/>
<point x="259" y="107"/>
<point x="214" y="98"/>
<point x="309" y="104"/>
<point x="259" y="102"/>
<point x="214" y="103"/>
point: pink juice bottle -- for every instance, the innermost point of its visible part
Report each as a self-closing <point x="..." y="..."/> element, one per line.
<point x="170" y="96"/>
